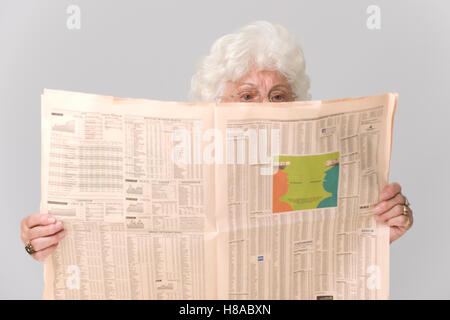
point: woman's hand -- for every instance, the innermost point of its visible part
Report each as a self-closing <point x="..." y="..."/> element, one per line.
<point x="391" y="211"/>
<point x="44" y="232"/>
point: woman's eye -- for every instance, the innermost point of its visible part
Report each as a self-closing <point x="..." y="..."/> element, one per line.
<point x="278" y="97"/>
<point x="246" y="97"/>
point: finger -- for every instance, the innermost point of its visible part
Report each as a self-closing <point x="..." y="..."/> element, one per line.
<point x="396" y="211"/>
<point x="44" y="231"/>
<point x="386" y="205"/>
<point x="43" y="254"/>
<point x="390" y="191"/>
<point x="45" y="242"/>
<point x="399" y="221"/>
<point x="38" y="219"/>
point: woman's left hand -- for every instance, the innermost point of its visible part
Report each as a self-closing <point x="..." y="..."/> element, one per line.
<point x="392" y="210"/>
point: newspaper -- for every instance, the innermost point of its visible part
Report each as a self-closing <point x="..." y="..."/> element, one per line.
<point x="171" y="200"/>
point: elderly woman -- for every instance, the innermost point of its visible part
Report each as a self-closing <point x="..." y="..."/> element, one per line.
<point x="261" y="62"/>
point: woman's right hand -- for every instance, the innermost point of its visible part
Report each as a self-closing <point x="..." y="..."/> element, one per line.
<point x="44" y="232"/>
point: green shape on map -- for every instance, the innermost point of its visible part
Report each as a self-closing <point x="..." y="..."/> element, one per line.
<point x="313" y="180"/>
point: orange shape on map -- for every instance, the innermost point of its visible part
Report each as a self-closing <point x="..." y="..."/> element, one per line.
<point x="280" y="188"/>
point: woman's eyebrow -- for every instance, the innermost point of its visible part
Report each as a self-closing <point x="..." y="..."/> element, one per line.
<point x="279" y="86"/>
<point x="247" y="84"/>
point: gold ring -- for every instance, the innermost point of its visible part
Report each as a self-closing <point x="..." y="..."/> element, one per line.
<point x="405" y="210"/>
<point x="29" y="248"/>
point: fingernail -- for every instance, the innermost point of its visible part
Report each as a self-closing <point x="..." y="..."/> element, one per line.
<point x="51" y="220"/>
<point x="59" y="224"/>
<point x="377" y="210"/>
<point x="62" y="234"/>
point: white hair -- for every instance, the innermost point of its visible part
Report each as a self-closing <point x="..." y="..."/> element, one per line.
<point x="262" y="44"/>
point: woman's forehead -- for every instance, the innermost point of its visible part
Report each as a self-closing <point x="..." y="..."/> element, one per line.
<point x="259" y="78"/>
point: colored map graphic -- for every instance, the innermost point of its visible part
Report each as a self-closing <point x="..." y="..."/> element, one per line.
<point x="306" y="182"/>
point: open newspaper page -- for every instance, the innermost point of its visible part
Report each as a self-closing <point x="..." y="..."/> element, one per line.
<point x="139" y="224"/>
<point x="165" y="200"/>
<point x="294" y="204"/>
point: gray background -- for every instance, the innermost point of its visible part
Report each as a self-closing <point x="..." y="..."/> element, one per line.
<point x="149" y="49"/>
